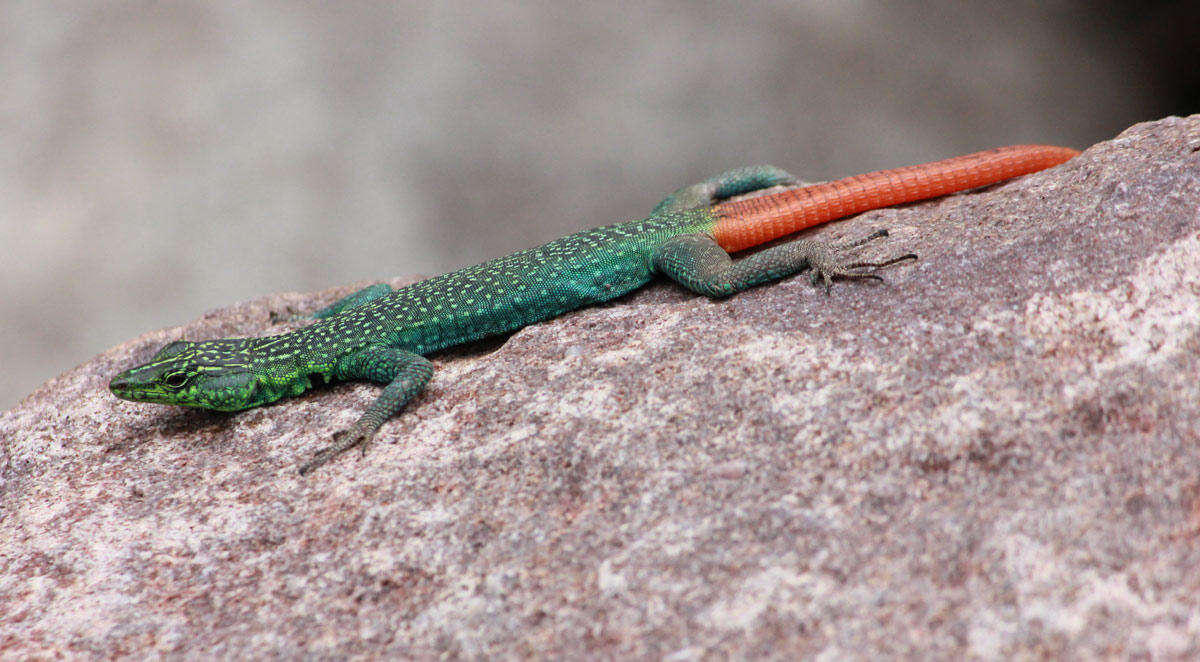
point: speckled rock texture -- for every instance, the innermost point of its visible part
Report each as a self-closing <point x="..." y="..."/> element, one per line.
<point x="995" y="453"/>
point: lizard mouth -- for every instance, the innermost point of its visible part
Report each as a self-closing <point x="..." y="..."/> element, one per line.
<point x="127" y="386"/>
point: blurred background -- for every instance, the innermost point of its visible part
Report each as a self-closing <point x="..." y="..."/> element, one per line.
<point x="161" y="159"/>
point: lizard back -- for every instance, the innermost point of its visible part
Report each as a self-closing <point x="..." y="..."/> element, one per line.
<point x="512" y="291"/>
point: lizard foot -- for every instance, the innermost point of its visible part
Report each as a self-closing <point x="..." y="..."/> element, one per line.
<point x="826" y="263"/>
<point x="342" y="441"/>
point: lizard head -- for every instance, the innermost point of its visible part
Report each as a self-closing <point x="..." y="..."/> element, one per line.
<point x="214" y="374"/>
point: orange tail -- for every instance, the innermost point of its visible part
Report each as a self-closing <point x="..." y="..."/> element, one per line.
<point x="755" y="221"/>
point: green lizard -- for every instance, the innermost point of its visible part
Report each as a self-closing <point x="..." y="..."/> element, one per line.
<point x="381" y="335"/>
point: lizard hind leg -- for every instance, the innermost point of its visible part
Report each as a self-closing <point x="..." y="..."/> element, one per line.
<point x="738" y="181"/>
<point x="698" y="263"/>
<point x="827" y="263"/>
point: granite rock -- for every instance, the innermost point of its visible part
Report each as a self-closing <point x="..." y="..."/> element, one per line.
<point x="993" y="453"/>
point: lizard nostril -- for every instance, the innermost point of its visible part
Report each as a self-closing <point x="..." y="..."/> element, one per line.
<point x="120" y="382"/>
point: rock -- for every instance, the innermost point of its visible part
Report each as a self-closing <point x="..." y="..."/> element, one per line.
<point x="993" y="453"/>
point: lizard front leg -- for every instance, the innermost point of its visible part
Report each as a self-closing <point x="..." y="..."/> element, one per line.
<point x="699" y="264"/>
<point x="404" y="373"/>
<point x="366" y="294"/>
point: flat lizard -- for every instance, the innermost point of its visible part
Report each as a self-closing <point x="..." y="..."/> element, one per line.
<point x="380" y="334"/>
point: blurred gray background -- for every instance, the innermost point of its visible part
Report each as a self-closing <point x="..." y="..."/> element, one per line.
<point x="161" y="159"/>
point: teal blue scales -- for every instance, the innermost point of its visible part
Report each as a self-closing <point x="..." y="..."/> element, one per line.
<point x="382" y="335"/>
<point x="516" y="290"/>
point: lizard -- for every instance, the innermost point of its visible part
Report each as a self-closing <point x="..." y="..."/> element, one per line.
<point x="382" y="334"/>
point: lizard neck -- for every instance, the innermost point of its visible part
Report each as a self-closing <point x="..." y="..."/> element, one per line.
<point x="291" y="363"/>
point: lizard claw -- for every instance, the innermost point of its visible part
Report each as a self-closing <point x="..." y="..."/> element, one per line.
<point x="826" y="264"/>
<point x="342" y="441"/>
<point x="290" y="317"/>
<point x="287" y="316"/>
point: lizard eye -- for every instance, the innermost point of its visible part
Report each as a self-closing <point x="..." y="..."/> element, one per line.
<point x="175" y="379"/>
